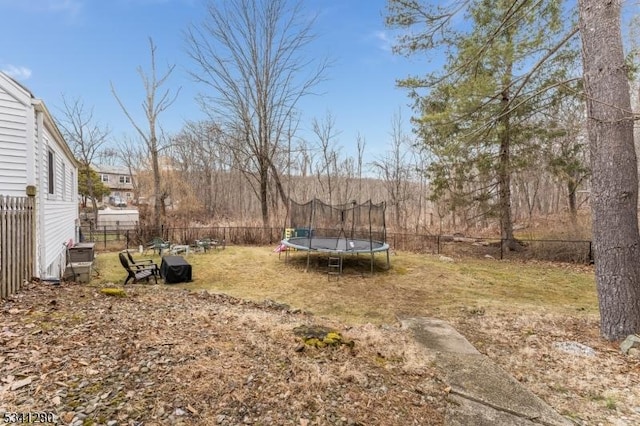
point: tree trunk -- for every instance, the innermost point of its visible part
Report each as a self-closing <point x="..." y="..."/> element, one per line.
<point x="264" y="194"/>
<point x="504" y="161"/>
<point x="157" y="195"/>
<point x="279" y="186"/>
<point x="504" y="188"/>
<point x="504" y="181"/>
<point x="614" y="167"/>
<point x="572" y="187"/>
<point x="94" y="202"/>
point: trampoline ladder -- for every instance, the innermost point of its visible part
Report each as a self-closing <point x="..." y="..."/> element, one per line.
<point x="335" y="267"/>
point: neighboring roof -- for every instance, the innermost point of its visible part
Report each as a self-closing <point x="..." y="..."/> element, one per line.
<point x="114" y="170"/>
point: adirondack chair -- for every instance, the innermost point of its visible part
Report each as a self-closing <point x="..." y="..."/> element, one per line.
<point x="138" y="273"/>
<point x="138" y="262"/>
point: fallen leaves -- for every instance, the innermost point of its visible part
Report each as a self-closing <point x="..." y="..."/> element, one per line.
<point x="21" y="383"/>
<point x="162" y="355"/>
<point x="525" y="345"/>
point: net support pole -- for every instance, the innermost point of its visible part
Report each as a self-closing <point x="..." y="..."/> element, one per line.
<point x="371" y="238"/>
<point x="310" y="228"/>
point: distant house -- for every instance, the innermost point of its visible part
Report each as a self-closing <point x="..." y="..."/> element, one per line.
<point x="118" y="179"/>
<point x="35" y="159"/>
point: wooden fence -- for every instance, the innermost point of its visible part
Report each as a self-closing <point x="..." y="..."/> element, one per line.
<point x="17" y="227"/>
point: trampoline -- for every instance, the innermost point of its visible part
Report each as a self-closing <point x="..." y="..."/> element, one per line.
<point x="335" y="245"/>
<point x="337" y="230"/>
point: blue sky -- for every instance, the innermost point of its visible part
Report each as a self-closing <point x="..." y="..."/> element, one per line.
<point x="76" y="48"/>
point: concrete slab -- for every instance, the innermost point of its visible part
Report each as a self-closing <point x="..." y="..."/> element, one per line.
<point x="438" y="335"/>
<point x="464" y="412"/>
<point x="481" y="392"/>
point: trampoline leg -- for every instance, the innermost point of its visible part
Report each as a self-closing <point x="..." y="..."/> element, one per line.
<point x="308" y="257"/>
<point x="373" y="259"/>
<point x="388" y="261"/>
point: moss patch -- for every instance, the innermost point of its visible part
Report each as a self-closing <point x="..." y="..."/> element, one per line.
<point x="111" y="291"/>
<point x="320" y="337"/>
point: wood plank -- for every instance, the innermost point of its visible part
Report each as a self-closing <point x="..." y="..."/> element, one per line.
<point x="16" y="242"/>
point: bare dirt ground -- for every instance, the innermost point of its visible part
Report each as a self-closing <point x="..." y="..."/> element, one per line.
<point x="166" y="356"/>
<point x="162" y="355"/>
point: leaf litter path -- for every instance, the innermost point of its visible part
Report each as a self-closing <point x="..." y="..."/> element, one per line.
<point x="167" y="356"/>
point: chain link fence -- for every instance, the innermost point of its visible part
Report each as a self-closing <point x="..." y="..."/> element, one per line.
<point x="120" y="238"/>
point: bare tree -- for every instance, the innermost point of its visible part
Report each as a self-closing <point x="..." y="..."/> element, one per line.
<point x="249" y="54"/>
<point x="361" y="144"/>
<point x="154" y="104"/>
<point x="420" y="159"/>
<point x="567" y="156"/>
<point x="327" y="169"/>
<point x="108" y="156"/>
<point x="86" y="137"/>
<point x="394" y="170"/>
<point x="201" y="154"/>
<point x="614" y="197"/>
<point x="134" y="158"/>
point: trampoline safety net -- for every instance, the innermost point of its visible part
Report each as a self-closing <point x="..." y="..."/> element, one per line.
<point x="317" y="219"/>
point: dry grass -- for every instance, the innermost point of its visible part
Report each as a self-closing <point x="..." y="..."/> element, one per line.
<point x="416" y="284"/>
<point x="239" y="359"/>
<point x="512" y="311"/>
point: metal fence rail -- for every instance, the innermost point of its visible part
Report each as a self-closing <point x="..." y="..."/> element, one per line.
<point x="574" y="251"/>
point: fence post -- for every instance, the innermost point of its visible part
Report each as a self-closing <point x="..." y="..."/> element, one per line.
<point x="501" y="248"/>
<point x="105" y="237"/>
<point x="438" y="244"/>
<point x="126" y="236"/>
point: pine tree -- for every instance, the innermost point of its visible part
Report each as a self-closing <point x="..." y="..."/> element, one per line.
<point x="479" y="116"/>
<point x="614" y="166"/>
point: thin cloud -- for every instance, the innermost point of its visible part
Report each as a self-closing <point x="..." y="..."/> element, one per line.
<point x="17" y="72"/>
<point x="384" y="41"/>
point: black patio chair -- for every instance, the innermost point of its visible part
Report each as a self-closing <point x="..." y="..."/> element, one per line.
<point x="138" y="262"/>
<point x="138" y="273"/>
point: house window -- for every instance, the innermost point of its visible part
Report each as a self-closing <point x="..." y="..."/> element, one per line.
<point x="104" y="178"/>
<point x="52" y="174"/>
<point x="125" y="179"/>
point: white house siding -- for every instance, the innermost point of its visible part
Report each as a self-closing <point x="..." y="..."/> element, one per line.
<point x="27" y="133"/>
<point x="60" y="208"/>
<point x="13" y="150"/>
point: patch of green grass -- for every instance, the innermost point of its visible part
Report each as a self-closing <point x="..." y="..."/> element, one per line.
<point x="610" y="403"/>
<point x="416" y="284"/>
